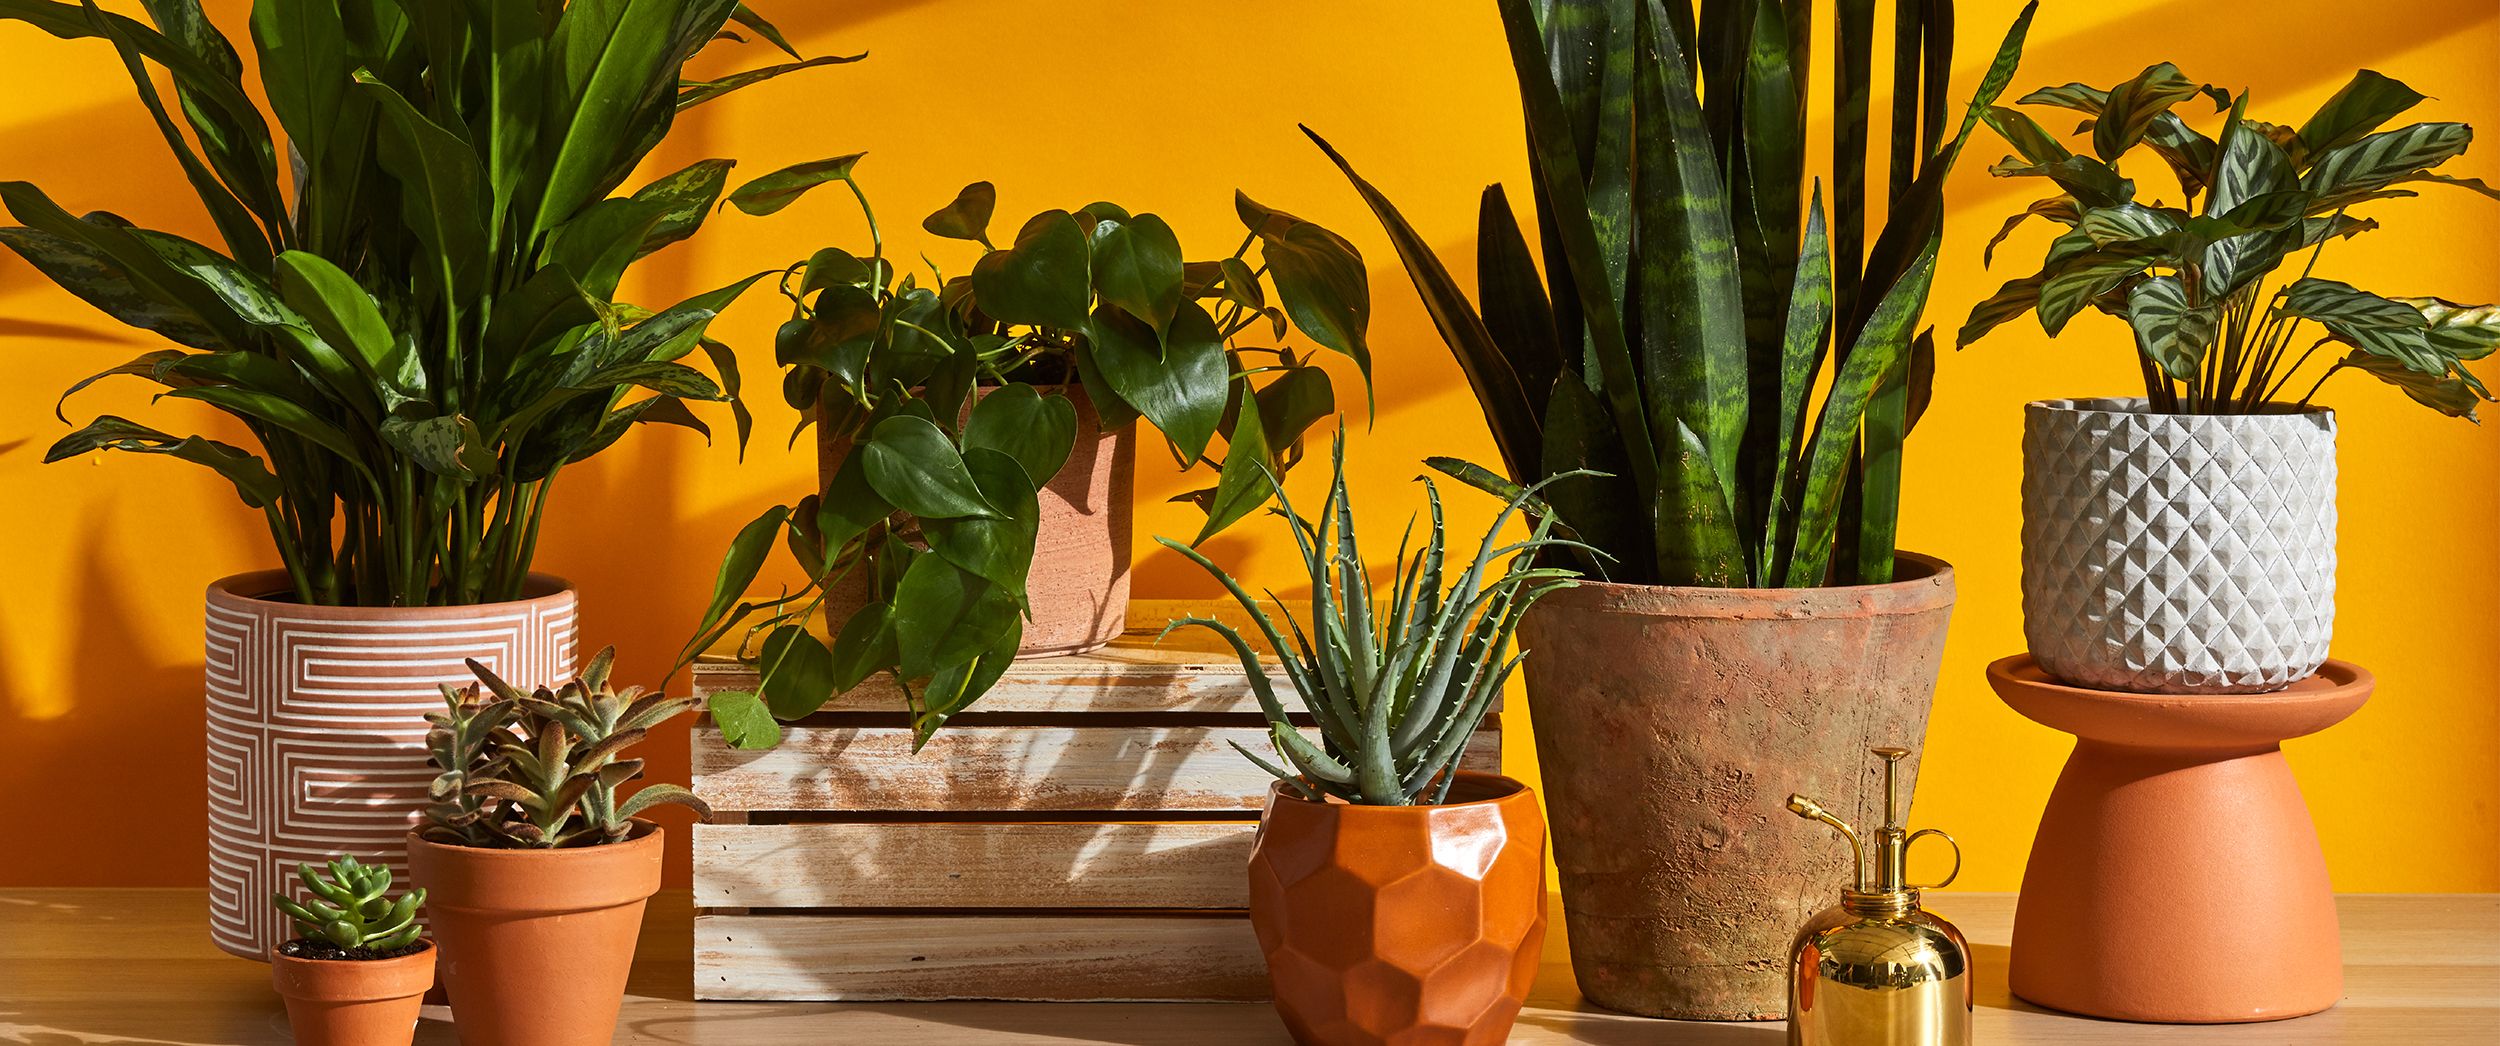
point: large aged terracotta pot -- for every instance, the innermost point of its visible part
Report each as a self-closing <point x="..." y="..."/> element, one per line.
<point x="2176" y="876"/>
<point x="537" y="943"/>
<point x="2175" y="553"/>
<point x="352" y="1002"/>
<point x="316" y="729"/>
<point x="1079" y="584"/>
<point x="1672" y="724"/>
<point x="1401" y="924"/>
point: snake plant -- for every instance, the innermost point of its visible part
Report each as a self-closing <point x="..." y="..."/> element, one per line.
<point x="1692" y="303"/>
<point x="2190" y="280"/>
<point x="420" y="327"/>
<point x="1393" y="691"/>
<point x="351" y="909"/>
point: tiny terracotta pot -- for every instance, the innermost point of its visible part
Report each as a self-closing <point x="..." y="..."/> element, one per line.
<point x="1080" y="578"/>
<point x="353" y="1002"/>
<point x="537" y="943"/>
<point x="1401" y="924"/>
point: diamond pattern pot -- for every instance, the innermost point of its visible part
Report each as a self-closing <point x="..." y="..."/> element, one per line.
<point x="2171" y="553"/>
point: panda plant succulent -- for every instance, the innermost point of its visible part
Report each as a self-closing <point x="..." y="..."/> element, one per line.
<point x="348" y="913"/>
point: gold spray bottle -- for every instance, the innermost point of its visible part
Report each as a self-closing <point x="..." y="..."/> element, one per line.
<point x="1877" y="969"/>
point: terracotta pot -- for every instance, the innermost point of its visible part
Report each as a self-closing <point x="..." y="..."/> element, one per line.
<point x="2176" y="876"/>
<point x="1080" y="579"/>
<point x="316" y="729"/>
<point x="1401" y="924"/>
<point x="537" y="943"/>
<point x="349" y="1002"/>
<point x="2177" y="553"/>
<point x="1672" y="724"/>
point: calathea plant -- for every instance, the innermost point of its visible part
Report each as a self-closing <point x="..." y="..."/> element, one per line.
<point x="2191" y="280"/>
<point x="951" y="398"/>
<point x="1394" y="690"/>
<point x="1690" y="307"/>
<point x="350" y="910"/>
<point x="422" y="329"/>
<point x="542" y="769"/>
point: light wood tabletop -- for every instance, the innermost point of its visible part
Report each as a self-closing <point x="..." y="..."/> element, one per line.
<point x="94" y="967"/>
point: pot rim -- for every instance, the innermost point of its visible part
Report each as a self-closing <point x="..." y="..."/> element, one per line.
<point x="1931" y="587"/>
<point x="275" y="955"/>
<point x="256" y="588"/>
<point x="2138" y="406"/>
<point x="1512" y="789"/>
<point x="644" y="834"/>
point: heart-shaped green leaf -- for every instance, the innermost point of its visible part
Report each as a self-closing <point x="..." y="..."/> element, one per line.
<point x="999" y="549"/>
<point x="1044" y="280"/>
<point x="796" y="672"/>
<point x="772" y="192"/>
<point x="945" y="615"/>
<point x="1183" y="388"/>
<point x="912" y="464"/>
<point x="1137" y="266"/>
<point x="968" y="218"/>
<point x="1037" y="431"/>
<point x="743" y="720"/>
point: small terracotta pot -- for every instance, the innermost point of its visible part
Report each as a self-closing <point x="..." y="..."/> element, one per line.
<point x="1672" y="724"/>
<point x="350" y="1002"/>
<point x="2176" y="877"/>
<point x="1080" y="579"/>
<point x="1401" y="924"/>
<point x="537" y="943"/>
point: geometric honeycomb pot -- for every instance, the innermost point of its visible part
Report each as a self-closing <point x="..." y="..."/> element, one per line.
<point x="316" y="728"/>
<point x="1401" y="924"/>
<point x="2176" y="553"/>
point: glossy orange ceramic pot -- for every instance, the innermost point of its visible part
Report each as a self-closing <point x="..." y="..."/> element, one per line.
<point x="353" y="1002"/>
<point x="1409" y="925"/>
<point x="537" y="943"/>
<point x="2176" y="876"/>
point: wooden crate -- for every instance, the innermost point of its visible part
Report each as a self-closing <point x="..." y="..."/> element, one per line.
<point x="1081" y="836"/>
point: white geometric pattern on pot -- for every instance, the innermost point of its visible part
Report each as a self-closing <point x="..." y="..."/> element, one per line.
<point x="2171" y="553"/>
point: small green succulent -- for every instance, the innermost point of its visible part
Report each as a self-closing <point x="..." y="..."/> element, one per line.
<point x="351" y="907"/>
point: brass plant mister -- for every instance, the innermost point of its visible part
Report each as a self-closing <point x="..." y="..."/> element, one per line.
<point x="1877" y="969"/>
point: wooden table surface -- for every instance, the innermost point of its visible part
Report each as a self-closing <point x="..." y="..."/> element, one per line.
<point x="83" y="967"/>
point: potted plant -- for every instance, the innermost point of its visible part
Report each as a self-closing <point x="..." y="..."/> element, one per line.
<point x="533" y="856"/>
<point x="357" y="968"/>
<point x="977" y="438"/>
<point x="2184" y="542"/>
<point x="1395" y="897"/>
<point x="1751" y="628"/>
<point x="420" y="331"/>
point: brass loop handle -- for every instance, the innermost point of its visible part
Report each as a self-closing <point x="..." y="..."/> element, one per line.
<point x="1956" y="873"/>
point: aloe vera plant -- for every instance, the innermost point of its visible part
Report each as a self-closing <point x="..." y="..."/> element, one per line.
<point x="421" y="327"/>
<point x="348" y="906"/>
<point x="1393" y="689"/>
<point x="1690" y="306"/>
<point x="2191" y="280"/>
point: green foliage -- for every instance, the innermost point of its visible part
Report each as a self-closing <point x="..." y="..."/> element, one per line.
<point x="1394" y="691"/>
<point x="541" y="770"/>
<point x="1689" y="303"/>
<point x="351" y="907"/>
<point x="951" y="402"/>
<point x="426" y="330"/>
<point x="2190" y="279"/>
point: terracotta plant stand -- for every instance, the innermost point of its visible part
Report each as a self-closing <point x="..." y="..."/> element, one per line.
<point x="2176" y="877"/>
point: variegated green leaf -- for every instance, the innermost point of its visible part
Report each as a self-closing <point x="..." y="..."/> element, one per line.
<point x="2373" y="324"/>
<point x="2079" y="280"/>
<point x="2132" y="106"/>
<point x="2364" y="103"/>
<point x="2465" y="332"/>
<point x="2382" y="159"/>
<point x="2062" y="209"/>
<point x="2168" y="330"/>
<point x="2452" y="394"/>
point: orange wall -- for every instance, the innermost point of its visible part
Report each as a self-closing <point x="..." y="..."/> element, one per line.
<point x="1169" y="107"/>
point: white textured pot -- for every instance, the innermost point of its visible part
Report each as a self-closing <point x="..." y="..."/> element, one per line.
<point x="2175" y="553"/>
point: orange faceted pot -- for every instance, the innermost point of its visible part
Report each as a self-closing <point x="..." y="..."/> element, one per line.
<point x="353" y="1002"/>
<point x="2176" y="877"/>
<point x="537" y="943"/>
<point x="1410" y="925"/>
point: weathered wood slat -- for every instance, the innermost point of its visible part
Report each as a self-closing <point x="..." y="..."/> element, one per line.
<point x="1004" y="768"/>
<point x="1179" y="864"/>
<point x="1046" y="958"/>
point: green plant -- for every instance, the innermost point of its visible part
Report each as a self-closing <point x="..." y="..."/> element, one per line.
<point x="1691" y="307"/>
<point x="1394" y="696"/>
<point x="541" y="770"/>
<point x="422" y="330"/>
<point x="2190" y="279"/>
<point x="933" y="512"/>
<point x="351" y="909"/>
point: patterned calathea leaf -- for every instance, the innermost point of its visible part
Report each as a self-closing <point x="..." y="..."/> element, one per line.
<point x="2452" y="393"/>
<point x="2465" y="332"/>
<point x="2382" y="159"/>
<point x="2169" y="330"/>
<point x="2375" y="325"/>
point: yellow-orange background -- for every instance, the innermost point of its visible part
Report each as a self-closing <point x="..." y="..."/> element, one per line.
<point x="1169" y="107"/>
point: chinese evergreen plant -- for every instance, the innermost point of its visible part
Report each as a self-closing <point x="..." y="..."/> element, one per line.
<point x="351" y="910"/>
<point x="1396" y="691"/>
<point x="543" y="769"/>
<point x="420" y="325"/>
<point x="1690" y="307"/>
<point x="933" y="511"/>
<point x="2191" y="280"/>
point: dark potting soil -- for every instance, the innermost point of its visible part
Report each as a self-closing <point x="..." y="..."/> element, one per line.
<point x="310" y="948"/>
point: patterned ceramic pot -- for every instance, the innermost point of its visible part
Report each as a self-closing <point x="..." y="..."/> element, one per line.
<point x="316" y="729"/>
<point x="2172" y="553"/>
